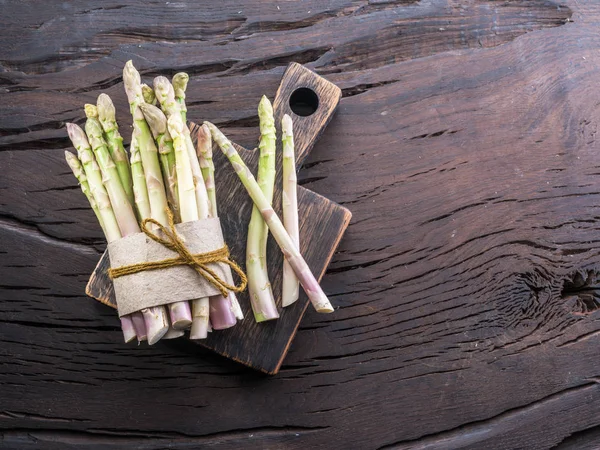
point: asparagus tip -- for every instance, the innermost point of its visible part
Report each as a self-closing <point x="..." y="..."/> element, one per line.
<point x="105" y="107"/>
<point x="163" y="89"/>
<point x="148" y="94"/>
<point x="91" y="111"/>
<point x="131" y="80"/>
<point x="286" y="125"/>
<point x="76" y="134"/>
<point x="156" y="119"/>
<point x="180" y="82"/>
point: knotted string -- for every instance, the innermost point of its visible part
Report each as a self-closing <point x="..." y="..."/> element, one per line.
<point x="199" y="262"/>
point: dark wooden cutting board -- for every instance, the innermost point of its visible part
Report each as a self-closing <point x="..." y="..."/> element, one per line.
<point x="263" y="346"/>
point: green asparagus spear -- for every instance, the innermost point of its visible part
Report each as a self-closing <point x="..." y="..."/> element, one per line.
<point x="140" y="191"/>
<point x="180" y="133"/>
<point x="148" y="151"/>
<point x="259" y="286"/>
<point x="94" y="177"/>
<point x="106" y="114"/>
<point x="122" y="208"/>
<point x="204" y="150"/>
<point x="189" y="212"/>
<point x="180" y="82"/>
<point x="166" y="97"/>
<point x="157" y="122"/>
<point x="98" y="191"/>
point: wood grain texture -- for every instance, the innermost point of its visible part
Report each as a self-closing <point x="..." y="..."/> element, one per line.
<point x="467" y="283"/>
<point x="322" y="224"/>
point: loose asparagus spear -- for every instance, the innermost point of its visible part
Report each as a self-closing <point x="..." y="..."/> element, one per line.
<point x="259" y="286"/>
<point x="189" y="212"/>
<point x="180" y="82"/>
<point x="285" y="242"/>
<point x="204" y="148"/>
<point x="106" y="114"/>
<point x="157" y="122"/>
<point x="148" y="94"/>
<point x="111" y="227"/>
<point x="290" y="209"/>
<point x="77" y="170"/>
<point x="152" y="171"/>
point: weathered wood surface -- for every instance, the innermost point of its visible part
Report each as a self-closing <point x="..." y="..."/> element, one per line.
<point x="465" y="146"/>
<point x="322" y="223"/>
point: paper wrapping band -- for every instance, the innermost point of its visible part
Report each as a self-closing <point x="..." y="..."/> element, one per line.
<point x="180" y="282"/>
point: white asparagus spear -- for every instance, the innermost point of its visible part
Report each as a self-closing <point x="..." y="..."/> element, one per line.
<point x="289" y="291"/>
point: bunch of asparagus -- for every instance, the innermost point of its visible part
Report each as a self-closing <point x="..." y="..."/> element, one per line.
<point x="162" y="169"/>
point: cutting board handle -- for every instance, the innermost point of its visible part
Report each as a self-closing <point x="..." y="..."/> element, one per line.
<point x="310" y="100"/>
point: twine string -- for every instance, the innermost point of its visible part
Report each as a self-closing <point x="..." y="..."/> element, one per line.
<point x="199" y="262"/>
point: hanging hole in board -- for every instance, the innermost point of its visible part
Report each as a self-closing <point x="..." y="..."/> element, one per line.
<point x="304" y="102"/>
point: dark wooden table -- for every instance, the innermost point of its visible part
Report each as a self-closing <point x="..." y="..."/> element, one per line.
<point x="467" y="285"/>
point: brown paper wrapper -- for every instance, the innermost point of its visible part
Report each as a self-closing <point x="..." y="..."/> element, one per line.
<point x="164" y="286"/>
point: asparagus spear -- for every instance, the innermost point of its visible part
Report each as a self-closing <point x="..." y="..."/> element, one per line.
<point x="189" y="212"/>
<point x="120" y="203"/>
<point x="157" y="122"/>
<point x="181" y="140"/>
<point x="259" y="287"/>
<point x="127" y="326"/>
<point x="77" y="170"/>
<point x="106" y="114"/>
<point x="94" y="177"/>
<point x="179" y="312"/>
<point x="166" y="97"/>
<point x="152" y="171"/>
<point x="98" y="191"/>
<point x="140" y="190"/>
<point x="148" y="94"/>
<point x="180" y="82"/>
<point x="148" y="151"/>
<point x="204" y="148"/>
<point x="285" y="242"/>
<point x="221" y="313"/>
<point x="204" y="152"/>
<point x="290" y="209"/>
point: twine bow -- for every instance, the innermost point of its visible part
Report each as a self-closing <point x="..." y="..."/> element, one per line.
<point x="199" y="262"/>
